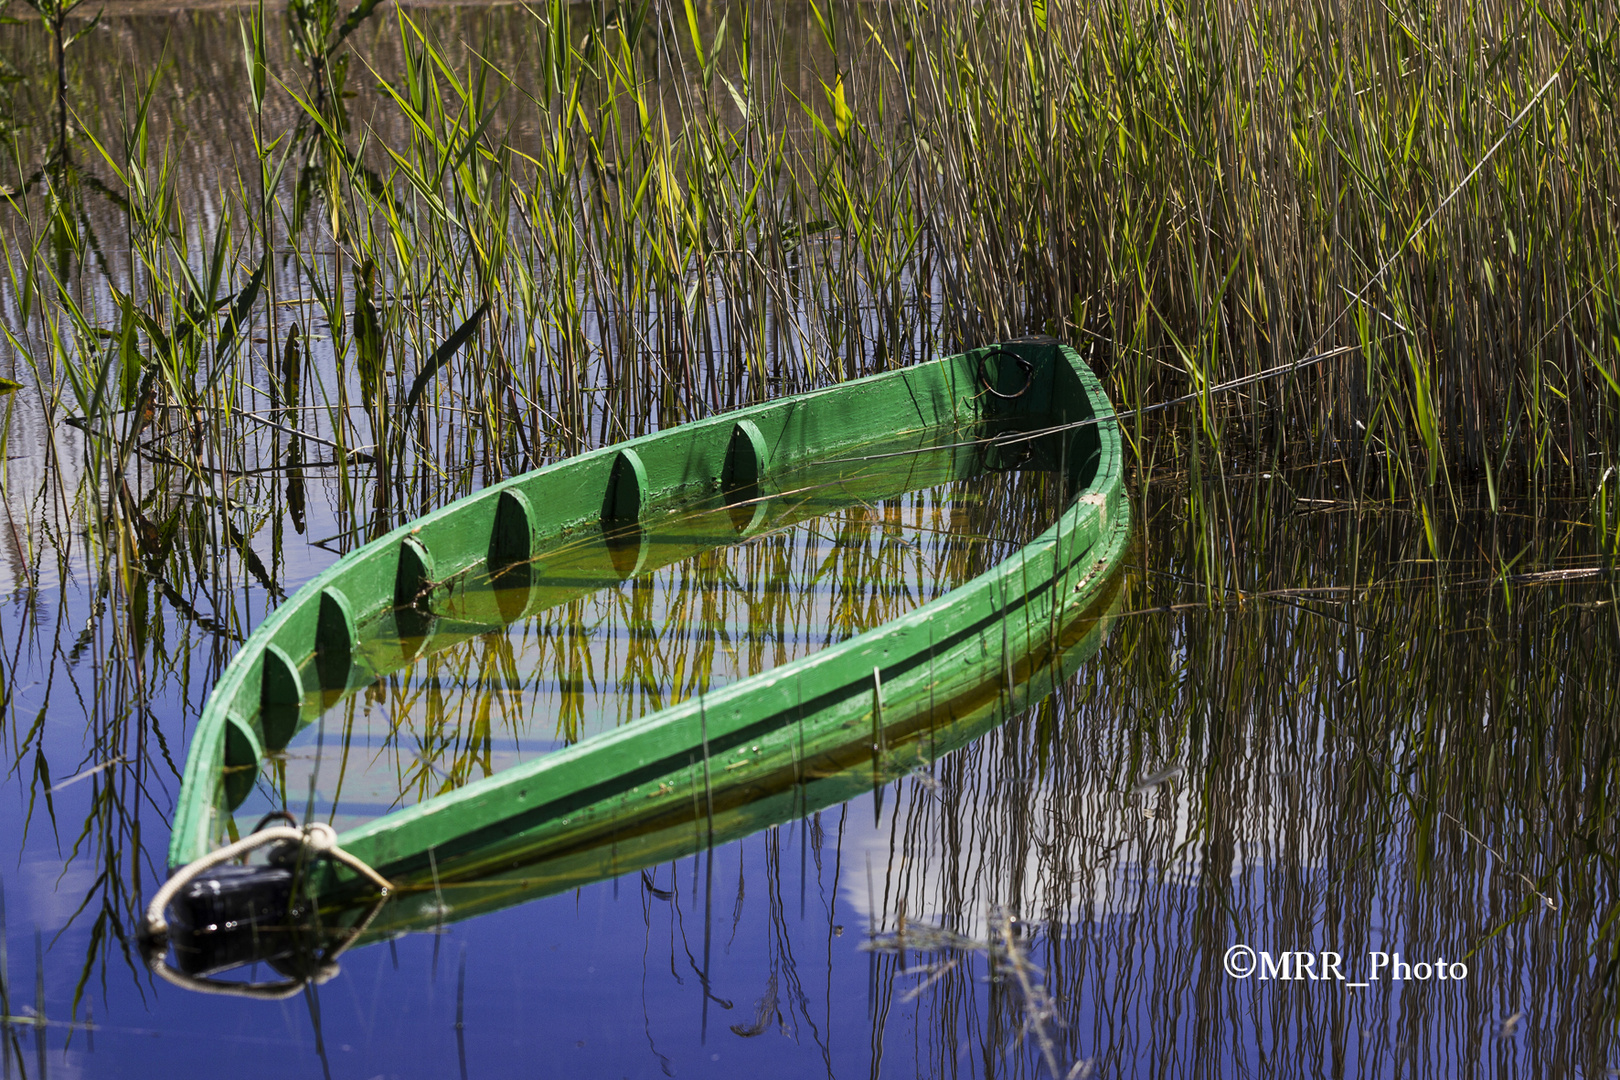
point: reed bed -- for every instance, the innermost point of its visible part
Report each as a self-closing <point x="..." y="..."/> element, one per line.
<point x="673" y="211"/>
<point x="1419" y="752"/>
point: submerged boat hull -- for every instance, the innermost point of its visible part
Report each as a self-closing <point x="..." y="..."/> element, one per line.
<point x="885" y="700"/>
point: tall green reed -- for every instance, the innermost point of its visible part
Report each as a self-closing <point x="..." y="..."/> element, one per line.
<point x="673" y="213"/>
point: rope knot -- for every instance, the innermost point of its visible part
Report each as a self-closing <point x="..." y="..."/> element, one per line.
<point x="319" y="837"/>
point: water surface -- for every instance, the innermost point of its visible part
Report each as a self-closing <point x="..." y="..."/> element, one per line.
<point x="603" y="628"/>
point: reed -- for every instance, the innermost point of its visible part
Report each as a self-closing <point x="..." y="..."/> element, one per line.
<point x="673" y="212"/>
<point x="1368" y="744"/>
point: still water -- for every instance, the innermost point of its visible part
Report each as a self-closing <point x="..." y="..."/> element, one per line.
<point x="1365" y="754"/>
<point x="1323" y="723"/>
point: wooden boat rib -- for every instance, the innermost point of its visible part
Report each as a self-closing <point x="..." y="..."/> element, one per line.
<point x="804" y="721"/>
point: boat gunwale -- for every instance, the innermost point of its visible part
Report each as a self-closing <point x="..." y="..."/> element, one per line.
<point x="1093" y="505"/>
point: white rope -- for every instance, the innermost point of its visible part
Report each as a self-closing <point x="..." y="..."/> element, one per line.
<point x="318" y="839"/>
<point x="1012" y="437"/>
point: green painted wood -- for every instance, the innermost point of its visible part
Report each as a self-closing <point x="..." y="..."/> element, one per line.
<point x="413" y="580"/>
<point x="511" y="537"/>
<point x="747" y="458"/>
<point x="627" y="488"/>
<point x="282" y="694"/>
<point x="335" y="635"/>
<point x="243" y="751"/>
<point x="973" y="638"/>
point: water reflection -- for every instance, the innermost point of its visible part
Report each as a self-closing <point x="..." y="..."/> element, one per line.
<point x="1404" y="764"/>
<point x="605" y="628"/>
<point x="1356" y="749"/>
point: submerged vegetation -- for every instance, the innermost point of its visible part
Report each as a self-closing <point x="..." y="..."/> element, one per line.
<point x="285" y="278"/>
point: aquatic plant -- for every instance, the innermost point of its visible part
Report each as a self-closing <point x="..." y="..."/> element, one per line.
<point x="664" y="216"/>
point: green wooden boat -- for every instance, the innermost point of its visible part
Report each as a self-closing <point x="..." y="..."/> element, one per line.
<point x="764" y="749"/>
